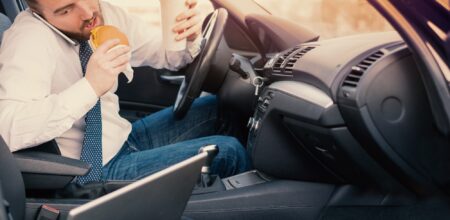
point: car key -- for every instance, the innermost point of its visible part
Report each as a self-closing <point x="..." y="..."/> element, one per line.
<point x="258" y="82"/>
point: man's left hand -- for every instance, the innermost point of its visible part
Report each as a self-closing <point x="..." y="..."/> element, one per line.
<point x="189" y="24"/>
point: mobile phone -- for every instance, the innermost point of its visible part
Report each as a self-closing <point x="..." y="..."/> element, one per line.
<point x="36" y="15"/>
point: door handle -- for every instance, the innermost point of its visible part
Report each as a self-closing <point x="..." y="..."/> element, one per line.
<point x="176" y="80"/>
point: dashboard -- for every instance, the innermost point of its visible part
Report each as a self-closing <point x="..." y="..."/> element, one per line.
<point x="347" y="110"/>
<point x="323" y="64"/>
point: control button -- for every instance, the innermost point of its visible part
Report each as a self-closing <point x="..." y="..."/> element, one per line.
<point x="256" y="126"/>
<point x="250" y="122"/>
<point x="266" y="103"/>
<point x="253" y="124"/>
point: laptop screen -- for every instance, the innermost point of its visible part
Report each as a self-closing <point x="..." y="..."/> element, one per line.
<point x="163" y="195"/>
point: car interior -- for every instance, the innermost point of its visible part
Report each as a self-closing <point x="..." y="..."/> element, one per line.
<point x="342" y="128"/>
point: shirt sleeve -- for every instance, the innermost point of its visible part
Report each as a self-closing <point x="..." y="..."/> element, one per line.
<point x="29" y="113"/>
<point x="147" y="46"/>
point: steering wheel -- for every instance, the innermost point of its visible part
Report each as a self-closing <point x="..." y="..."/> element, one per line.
<point x="198" y="70"/>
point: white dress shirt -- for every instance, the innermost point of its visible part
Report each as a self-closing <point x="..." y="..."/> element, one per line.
<point x="44" y="96"/>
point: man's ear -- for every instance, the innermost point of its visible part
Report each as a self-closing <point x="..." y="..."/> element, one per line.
<point x="36" y="12"/>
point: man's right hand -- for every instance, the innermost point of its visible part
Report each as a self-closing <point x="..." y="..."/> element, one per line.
<point x="104" y="66"/>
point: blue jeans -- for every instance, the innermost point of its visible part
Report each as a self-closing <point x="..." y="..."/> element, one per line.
<point x="159" y="141"/>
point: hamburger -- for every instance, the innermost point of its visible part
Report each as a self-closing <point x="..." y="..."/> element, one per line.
<point x="101" y="34"/>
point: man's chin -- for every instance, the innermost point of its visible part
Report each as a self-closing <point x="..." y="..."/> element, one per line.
<point x="78" y="36"/>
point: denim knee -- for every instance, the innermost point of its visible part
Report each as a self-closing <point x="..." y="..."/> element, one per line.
<point x="232" y="158"/>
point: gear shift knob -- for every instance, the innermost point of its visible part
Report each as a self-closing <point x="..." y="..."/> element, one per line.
<point x="212" y="151"/>
<point x="205" y="177"/>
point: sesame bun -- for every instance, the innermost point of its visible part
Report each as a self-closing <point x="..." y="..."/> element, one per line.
<point x="101" y="34"/>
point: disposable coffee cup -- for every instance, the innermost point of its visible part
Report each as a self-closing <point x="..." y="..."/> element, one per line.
<point x="170" y="9"/>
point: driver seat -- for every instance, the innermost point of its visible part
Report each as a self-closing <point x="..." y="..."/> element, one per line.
<point x="11" y="184"/>
<point x="40" y="162"/>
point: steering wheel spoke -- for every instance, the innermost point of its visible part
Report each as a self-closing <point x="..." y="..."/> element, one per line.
<point x="199" y="68"/>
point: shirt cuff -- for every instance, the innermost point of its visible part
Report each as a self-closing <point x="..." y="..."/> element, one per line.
<point x="79" y="98"/>
<point x="194" y="46"/>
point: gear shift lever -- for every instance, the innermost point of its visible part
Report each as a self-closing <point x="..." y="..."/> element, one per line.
<point x="205" y="177"/>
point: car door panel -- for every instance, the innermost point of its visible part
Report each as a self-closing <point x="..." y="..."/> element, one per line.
<point x="146" y="94"/>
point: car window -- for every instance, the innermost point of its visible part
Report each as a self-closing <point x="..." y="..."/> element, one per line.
<point x="329" y="18"/>
<point x="149" y="10"/>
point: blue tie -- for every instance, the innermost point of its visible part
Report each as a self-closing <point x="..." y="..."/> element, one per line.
<point x="91" y="151"/>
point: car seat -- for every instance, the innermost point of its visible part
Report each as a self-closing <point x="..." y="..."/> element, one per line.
<point x="39" y="163"/>
<point x="11" y="183"/>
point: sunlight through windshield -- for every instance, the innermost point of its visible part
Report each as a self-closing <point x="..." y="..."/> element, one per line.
<point x="329" y="18"/>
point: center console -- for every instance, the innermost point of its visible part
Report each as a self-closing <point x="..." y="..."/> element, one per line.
<point x="292" y="122"/>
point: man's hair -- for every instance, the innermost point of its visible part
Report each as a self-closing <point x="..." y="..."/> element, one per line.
<point x="32" y="4"/>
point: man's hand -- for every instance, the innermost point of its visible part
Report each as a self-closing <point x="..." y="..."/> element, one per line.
<point x="189" y="24"/>
<point x="104" y="66"/>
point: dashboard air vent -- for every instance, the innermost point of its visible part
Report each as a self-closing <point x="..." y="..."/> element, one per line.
<point x="358" y="70"/>
<point x="277" y="66"/>
<point x="285" y="63"/>
<point x="292" y="60"/>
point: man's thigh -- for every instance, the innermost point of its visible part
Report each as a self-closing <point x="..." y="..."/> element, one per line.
<point x="231" y="159"/>
<point x="161" y="128"/>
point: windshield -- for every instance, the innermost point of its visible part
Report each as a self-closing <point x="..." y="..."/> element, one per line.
<point x="329" y="18"/>
<point x="149" y="10"/>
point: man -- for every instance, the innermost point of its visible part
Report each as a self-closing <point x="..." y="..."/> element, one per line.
<point x="55" y="87"/>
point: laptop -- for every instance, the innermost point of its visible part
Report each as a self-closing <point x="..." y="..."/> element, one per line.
<point x="163" y="195"/>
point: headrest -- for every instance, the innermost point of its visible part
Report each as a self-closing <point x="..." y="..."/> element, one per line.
<point x="5" y="23"/>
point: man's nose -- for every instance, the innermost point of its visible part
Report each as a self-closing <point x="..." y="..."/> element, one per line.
<point x="86" y="12"/>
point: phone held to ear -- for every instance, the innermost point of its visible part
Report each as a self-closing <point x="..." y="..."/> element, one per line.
<point x="36" y="15"/>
